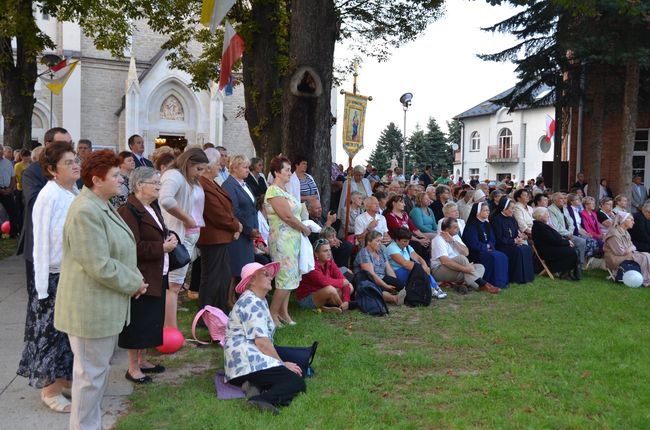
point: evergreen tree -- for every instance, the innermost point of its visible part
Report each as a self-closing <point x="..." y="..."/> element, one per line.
<point x="438" y="153"/>
<point x="453" y="132"/>
<point x="416" y="150"/>
<point x="388" y="146"/>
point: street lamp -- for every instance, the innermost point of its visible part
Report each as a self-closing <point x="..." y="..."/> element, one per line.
<point x="405" y="100"/>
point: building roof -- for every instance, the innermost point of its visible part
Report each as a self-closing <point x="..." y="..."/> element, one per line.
<point x="488" y="107"/>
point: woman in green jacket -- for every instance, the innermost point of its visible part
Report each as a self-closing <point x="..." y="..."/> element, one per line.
<point x="99" y="275"/>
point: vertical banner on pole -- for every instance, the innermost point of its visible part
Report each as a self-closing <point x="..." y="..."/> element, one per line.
<point x="354" y="117"/>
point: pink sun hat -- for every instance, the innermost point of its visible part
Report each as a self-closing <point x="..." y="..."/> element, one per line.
<point x="249" y="270"/>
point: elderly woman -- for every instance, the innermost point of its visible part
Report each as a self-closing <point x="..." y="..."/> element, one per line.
<point x="522" y="212"/>
<point x="619" y="247"/>
<point x="358" y="183"/>
<point x="371" y="258"/>
<point x="575" y="209"/>
<point x="99" y="274"/>
<point x="450" y="210"/>
<point x="182" y="200"/>
<point x="590" y="223"/>
<point x="422" y="214"/>
<point x="302" y="184"/>
<point x="47" y="358"/>
<point x="620" y="204"/>
<point x="325" y="287"/>
<point x="356" y="209"/>
<point x="512" y="243"/>
<point x="558" y="253"/>
<point x="283" y="210"/>
<point x="242" y="250"/>
<point x="606" y="214"/>
<point x="255" y="179"/>
<point x="403" y="258"/>
<point x="142" y="214"/>
<point x="396" y="217"/>
<point x="250" y="358"/>
<point x="127" y="164"/>
<point x="481" y="242"/>
<point x="221" y="228"/>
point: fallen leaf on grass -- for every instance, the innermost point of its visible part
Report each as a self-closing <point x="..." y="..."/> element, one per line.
<point x="585" y="374"/>
<point x="498" y="341"/>
<point x="450" y="372"/>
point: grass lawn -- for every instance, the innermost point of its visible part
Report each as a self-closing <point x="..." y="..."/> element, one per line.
<point x="554" y="354"/>
<point x="7" y="247"/>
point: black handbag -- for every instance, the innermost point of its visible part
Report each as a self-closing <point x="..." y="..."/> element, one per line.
<point x="302" y="356"/>
<point x="178" y="257"/>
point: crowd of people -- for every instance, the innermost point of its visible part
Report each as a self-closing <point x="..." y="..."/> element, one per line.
<point x="101" y="231"/>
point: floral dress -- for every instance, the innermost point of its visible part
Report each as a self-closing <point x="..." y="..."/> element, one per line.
<point x="250" y="318"/>
<point x="284" y="240"/>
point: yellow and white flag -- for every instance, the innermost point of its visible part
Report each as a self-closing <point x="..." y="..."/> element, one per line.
<point x="214" y="11"/>
<point x="57" y="83"/>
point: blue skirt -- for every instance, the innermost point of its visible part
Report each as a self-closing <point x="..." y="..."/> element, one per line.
<point x="496" y="268"/>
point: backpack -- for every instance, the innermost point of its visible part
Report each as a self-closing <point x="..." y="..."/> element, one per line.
<point x="369" y="297"/>
<point x="418" y="287"/>
<point x="626" y="266"/>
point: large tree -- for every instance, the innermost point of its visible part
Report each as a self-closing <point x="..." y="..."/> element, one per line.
<point x="287" y="66"/>
<point x="439" y="153"/>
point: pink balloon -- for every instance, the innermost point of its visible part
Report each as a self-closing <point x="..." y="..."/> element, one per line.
<point x="173" y="340"/>
<point x="6" y="227"/>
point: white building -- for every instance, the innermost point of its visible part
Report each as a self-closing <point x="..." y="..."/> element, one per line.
<point x="496" y="144"/>
<point x="107" y="99"/>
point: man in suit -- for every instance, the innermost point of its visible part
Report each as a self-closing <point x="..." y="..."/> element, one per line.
<point x="639" y="194"/>
<point x="136" y="145"/>
<point x="222" y="172"/>
<point x="640" y="232"/>
<point x="33" y="181"/>
<point x="84" y="149"/>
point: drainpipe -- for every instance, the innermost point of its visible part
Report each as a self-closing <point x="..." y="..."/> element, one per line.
<point x="462" y="149"/>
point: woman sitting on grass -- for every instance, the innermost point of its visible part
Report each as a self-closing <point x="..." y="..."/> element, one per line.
<point x="403" y="258"/>
<point x="325" y="287"/>
<point x="619" y="247"/>
<point x="371" y="258"/>
<point x="250" y="359"/>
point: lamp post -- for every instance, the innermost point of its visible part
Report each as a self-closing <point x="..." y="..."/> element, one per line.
<point x="405" y="100"/>
<point x="50" y="60"/>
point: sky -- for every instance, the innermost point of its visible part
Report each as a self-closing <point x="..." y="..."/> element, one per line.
<point x="440" y="69"/>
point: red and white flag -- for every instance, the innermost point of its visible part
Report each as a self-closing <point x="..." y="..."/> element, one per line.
<point x="60" y="65"/>
<point x="550" y="129"/>
<point x="233" y="49"/>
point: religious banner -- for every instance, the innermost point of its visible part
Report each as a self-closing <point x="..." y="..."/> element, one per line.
<point x="354" y="118"/>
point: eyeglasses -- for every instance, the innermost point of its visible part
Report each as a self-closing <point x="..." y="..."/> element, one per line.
<point x="152" y="182"/>
<point x="319" y="243"/>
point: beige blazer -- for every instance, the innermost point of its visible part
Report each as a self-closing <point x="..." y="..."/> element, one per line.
<point x="99" y="270"/>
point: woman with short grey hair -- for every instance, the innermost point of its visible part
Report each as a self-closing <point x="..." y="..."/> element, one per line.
<point x="142" y="214"/>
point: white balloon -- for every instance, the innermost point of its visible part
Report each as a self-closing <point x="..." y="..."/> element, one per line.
<point x="632" y="279"/>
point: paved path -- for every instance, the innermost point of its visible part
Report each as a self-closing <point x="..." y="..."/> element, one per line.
<point x="20" y="404"/>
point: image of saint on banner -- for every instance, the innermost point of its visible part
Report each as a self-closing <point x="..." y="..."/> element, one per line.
<point x="354" y="117"/>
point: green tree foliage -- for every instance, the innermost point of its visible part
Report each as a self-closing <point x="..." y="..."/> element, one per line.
<point x="416" y="150"/>
<point x="438" y="152"/>
<point x="453" y="132"/>
<point x="389" y="146"/>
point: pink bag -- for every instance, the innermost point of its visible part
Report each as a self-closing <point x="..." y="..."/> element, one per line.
<point x="215" y="320"/>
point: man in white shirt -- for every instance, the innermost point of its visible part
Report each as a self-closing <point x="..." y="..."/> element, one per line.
<point x="449" y="261"/>
<point x="370" y="220"/>
<point x="222" y="173"/>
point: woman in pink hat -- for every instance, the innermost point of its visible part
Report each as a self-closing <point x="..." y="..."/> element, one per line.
<point x="250" y="359"/>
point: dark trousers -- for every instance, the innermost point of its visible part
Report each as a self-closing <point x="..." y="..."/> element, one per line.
<point x="9" y="204"/>
<point x="215" y="276"/>
<point x="278" y="385"/>
<point x="195" y="280"/>
<point x="391" y="280"/>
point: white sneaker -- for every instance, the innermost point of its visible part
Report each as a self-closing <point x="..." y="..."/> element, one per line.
<point x="438" y="293"/>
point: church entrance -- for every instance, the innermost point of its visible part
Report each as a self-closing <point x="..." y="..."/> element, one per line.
<point x="176" y="142"/>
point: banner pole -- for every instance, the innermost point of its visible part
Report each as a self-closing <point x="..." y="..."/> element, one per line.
<point x="347" y="200"/>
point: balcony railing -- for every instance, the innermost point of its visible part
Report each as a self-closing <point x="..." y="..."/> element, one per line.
<point x="503" y="154"/>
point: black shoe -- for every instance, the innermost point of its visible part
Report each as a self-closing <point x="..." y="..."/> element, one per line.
<point x="263" y="406"/>
<point x="156" y="369"/>
<point x="144" y="380"/>
<point x="577" y="273"/>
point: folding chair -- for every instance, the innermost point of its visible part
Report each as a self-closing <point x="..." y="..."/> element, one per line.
<point x="546" y="270"/>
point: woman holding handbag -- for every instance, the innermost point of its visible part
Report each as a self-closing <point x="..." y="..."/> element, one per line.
<point x="153" y="241"/>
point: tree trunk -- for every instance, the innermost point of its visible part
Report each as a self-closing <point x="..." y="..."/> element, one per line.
<point x="628" y="126"/>
<point x="18" y="74"/>
<point x="597" y="117"/>
<point x="262" y="78"/>
<point x="307" y="113"/>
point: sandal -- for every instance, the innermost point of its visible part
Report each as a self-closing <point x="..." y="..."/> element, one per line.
<point x="57" y="403"/>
